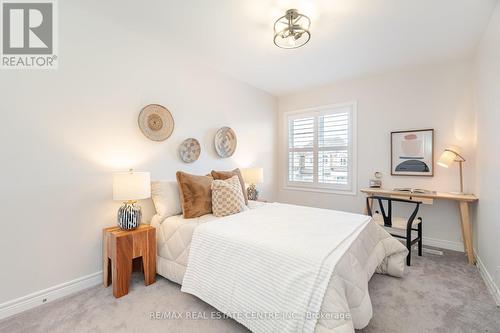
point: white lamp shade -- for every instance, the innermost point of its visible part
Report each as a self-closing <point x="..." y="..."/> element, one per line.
<point x="447" y="157"/>
<point x="131" y="185"/>
<point x="253" y="175"/>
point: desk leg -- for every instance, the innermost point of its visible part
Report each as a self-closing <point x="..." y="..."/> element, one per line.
<point x="467" y="231"/>
<point x="370" y="200"/>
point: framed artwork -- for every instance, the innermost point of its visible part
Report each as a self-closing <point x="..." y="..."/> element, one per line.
<point x="412" y="153"/>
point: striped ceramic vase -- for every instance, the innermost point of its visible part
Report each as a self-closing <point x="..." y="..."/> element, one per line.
<point x="129" y="216"/>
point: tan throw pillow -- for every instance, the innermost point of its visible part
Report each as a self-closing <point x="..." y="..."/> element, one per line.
<point x="227" y="197"/>
<point x="195" y="194"/>
<point x="223" y="175"/>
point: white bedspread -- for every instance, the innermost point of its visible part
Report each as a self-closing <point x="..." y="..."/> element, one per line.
<point x="269" y="268"/>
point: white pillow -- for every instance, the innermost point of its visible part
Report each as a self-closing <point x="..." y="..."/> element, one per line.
<point x="165" y="195"/>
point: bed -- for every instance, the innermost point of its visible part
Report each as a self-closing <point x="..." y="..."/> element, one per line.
<point x="267" y="263"/>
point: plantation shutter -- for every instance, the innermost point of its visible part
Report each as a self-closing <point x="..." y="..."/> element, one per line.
<point x="320" y="148"/>
<point x="301" y="149"/>
<point x="333" y="160"/>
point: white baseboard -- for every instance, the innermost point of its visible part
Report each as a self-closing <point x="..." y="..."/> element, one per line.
<point x="444" y="244"/>
<point x="490" y="284"/>
<point x="47" y="295"/>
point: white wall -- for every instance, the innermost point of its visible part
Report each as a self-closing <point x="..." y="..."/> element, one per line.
<point x="439" y="97"/>
<point x="65" y="131"/>
<point x="487" y="226"/>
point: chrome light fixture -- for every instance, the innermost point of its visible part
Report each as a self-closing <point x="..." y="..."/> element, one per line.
<point x="292" y="30"/>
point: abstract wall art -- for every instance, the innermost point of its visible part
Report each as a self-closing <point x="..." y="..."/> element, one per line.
<point x="412" y="153"/>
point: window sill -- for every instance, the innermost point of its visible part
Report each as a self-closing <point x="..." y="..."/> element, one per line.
<point x="319" y="190"/>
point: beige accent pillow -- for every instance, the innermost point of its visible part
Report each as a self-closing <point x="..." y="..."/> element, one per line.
<point x="223" y="175"/>
<point x="195" y="194"/>
<point x="227" y="197"/>
<point x="165" y="195"/>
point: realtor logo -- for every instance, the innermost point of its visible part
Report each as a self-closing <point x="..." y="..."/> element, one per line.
<point x="28" y="34"/>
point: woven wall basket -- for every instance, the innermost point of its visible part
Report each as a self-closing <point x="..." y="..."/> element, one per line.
<point x="156" y="122"/>
<point x="225" y="142"/>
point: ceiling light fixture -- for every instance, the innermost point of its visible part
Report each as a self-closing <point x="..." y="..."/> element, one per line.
<point x="292" y="30"/>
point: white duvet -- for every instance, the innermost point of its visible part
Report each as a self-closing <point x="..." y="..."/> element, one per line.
<point x="294" y="268"/>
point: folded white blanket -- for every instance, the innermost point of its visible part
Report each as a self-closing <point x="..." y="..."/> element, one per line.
<point x="269" y="268"/>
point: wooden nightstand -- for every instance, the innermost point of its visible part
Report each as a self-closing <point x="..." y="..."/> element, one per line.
<point x="120" y="248"/>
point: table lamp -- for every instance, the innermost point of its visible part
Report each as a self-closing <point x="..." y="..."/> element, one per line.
<point x="129" y="187"/>
<point x="253" y="176"/>
<point x="447" y="158"/>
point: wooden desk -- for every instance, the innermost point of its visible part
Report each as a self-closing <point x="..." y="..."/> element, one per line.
<point x="464" y="200"/>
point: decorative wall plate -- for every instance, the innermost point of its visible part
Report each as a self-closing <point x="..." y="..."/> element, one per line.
<point x="189" y="150"/>
<point x="225" y="142"/>
<point x="156" y="122"/>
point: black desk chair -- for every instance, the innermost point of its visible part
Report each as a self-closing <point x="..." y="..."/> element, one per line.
<point x="385" y="219"/>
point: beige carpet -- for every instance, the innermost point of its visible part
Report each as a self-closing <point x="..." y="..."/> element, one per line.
<point x="438" y="294"/>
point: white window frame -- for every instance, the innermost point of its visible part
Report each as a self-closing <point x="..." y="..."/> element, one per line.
<point x="351" y="187"/>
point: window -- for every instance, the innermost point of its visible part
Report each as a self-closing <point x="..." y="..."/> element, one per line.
<point x="321" y="148"/>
